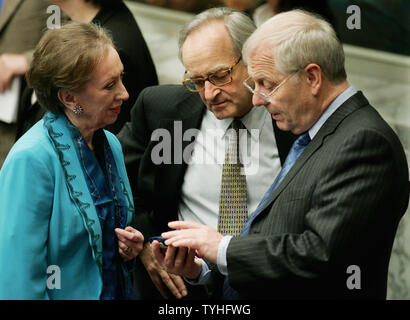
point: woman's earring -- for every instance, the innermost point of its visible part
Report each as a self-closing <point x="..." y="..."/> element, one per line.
<point x="78" y="110"/>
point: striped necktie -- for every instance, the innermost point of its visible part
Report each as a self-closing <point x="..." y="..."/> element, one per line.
<point x="233" y="211"/>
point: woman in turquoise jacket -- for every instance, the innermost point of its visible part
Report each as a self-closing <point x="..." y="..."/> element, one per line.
<point x="65" y="199"/>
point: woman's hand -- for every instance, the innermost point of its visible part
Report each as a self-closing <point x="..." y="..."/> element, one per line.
<point x="130" y="242"/>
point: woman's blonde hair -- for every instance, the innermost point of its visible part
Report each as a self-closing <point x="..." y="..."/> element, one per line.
<point x="65" y="58"/>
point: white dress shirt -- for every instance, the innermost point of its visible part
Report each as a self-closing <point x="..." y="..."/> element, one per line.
<point x="202" y="181"/>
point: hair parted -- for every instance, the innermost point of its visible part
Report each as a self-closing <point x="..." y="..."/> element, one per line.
<point x="65" y="58"/>
<point x="238" y="24"/>
<point x="297" y="38"/>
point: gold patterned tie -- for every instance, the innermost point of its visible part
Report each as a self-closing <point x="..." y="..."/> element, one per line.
<point x="233" y="211"/>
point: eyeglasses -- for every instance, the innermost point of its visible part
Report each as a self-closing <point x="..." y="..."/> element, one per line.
<point x="248" y="83"/>
<point x="219" y="79"/>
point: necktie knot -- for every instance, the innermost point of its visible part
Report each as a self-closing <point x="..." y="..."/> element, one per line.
<point x="303" y="139"/>
<point x="237" y="124"/>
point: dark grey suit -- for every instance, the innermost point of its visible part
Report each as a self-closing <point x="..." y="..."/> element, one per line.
<point x="338" y="206"/>
<point x="157" y="188"/>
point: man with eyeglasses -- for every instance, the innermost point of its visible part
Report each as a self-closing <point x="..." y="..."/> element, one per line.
<point x="211" y="97"/>
<point x="326" y="226"/>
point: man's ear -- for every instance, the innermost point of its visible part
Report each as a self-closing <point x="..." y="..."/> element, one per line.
<point x="67" y="98"/>
<point x="314" y="77"/>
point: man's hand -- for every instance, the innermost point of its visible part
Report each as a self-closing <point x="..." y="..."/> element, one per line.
<point x="160" y="277"/>
<point x="180" y="261"/>
<point x="201" y="238"/>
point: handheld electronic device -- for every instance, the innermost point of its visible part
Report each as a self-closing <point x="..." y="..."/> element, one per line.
<point x="161" y="241"/>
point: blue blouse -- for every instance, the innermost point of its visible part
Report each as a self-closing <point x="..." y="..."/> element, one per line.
<point x="104" y="185"/>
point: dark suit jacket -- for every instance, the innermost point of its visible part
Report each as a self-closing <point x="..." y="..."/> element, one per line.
<point x="338" y="206"/>
<point x="157" y="188"/>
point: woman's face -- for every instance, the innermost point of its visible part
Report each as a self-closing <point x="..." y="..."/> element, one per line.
<point x="101" y="98"/>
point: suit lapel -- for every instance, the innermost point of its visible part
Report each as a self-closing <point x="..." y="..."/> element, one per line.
<point x="9" y="8"/>
<point x="352" y="104"/>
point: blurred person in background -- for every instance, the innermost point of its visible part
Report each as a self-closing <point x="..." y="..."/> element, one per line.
<point x="22" y="23"/>
<point x="194" y="6"/>
<point x="261" y="11"/>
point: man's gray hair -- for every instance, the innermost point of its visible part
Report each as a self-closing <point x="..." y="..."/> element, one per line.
<point x="297" y="38"/>
<point x="238" y="24"/>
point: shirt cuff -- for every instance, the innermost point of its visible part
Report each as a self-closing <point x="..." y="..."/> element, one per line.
<point x="221" y="257"/>
<point x="203" y="277"/>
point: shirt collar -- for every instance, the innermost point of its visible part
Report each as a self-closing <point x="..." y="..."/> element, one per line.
<point x="254" y="119"/>
<point x="336" y="103"/>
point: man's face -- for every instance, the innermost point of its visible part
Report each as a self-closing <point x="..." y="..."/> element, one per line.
<point x="292" y="105"/>
<point x="209" y="50"/>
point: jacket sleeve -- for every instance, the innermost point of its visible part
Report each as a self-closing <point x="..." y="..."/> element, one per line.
<point x="26" y="199"/>
<point x="353" y="201"/>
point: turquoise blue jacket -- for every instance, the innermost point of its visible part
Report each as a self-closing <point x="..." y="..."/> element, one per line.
<point x="50" y="235"/>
